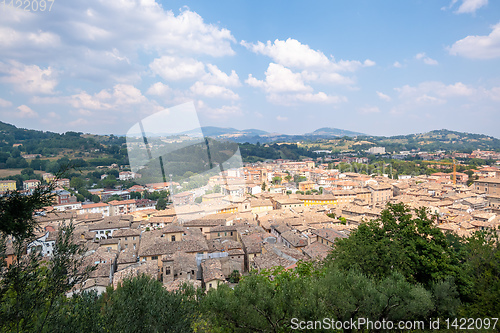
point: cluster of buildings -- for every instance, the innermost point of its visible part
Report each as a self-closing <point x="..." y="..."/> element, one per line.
<point x="259" y="219"/>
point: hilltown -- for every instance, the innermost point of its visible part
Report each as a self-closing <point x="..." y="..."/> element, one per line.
<point x="260" y="218"/>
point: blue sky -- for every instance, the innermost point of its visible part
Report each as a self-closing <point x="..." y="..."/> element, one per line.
<point x="377" y="67"/>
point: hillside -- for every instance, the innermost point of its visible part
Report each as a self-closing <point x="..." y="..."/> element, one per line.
<point x="255" y="144"/>
<point x="438" y="140"/>
<point x="328" y="131"/>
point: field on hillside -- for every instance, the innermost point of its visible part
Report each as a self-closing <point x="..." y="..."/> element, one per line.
<point x="12" y="172"/>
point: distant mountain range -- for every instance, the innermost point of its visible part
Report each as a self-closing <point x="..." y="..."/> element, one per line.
<point x="255" y="135"/>
<point x="431" y="141"/>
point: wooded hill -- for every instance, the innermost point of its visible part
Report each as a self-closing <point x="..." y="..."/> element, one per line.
<point x="106" y="149"/>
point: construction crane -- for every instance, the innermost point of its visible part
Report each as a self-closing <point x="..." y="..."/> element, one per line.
<point x="454" y="163"/>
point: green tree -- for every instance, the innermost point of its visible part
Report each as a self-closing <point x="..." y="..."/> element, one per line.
<point x="234" y="277"/>
<point x="399" y="242"/>
<point x="483" y="259"/>
<point x="261" y="304"/>
<point x="142" y="304"/>
<point x="32" y="286"/>
<point x="161" y="204"/>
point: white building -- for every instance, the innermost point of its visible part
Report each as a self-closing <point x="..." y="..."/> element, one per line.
<point x="44" y="244"/>
<point x="376" y="150"/>
<point x="95" y="208"/>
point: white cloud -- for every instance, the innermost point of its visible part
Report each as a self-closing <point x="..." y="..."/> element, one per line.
<point x="4" y="103"/>
<point x="126" y="94"/>
<point x="281" y="118"/>
<point x="78" y="123"/>
<point x="479" y="47"/>
<point x="494" y="93"/>
<point x="209" y="84"/>
<point x="172" y="68"/>
<point x="428" y="61"/>
<point x="470" y="6"/>
<point x="279" y="79"/>
<point x="24" y="111"/>
<point x="216" y="76"/>
<point x="290" y="53"/>
<point x="433" y="91"/>
<point x="13" y="38"/>
<point x="383" y="96"/>
<point x="291" y="99"/>
<point x="314" y="65"/>
<point x="28" y="79"/>
<point x="397" y="64"/>
<point x="213" y="91"/>
<point x="129" y="26"/>
<point x="369" y="109"/>
<point x="294" y="54"/>
<point x="158" y="89"/>
<point x="222" y="113"/>
<point x="434" y="94"/>
<point x="285" y="87"/>
<point x="121" y="98"/>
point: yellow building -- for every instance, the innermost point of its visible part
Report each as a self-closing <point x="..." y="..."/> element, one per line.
<point x="306" y="186"/>
<point x="311" y="200"/>
<point x="7" y="185"/>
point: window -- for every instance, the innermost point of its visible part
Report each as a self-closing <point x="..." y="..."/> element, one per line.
<point x="125" y="238"/>
<point x="154" y="258"/>
<point x="167" y="270"/>
<point x="134" y="246"/>
<point x="173" y="238"/>
<point x="209" y="285"/>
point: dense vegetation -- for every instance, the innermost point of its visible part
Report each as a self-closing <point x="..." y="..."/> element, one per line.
<point x="97" y="150"/>
<point x="399" y="267"/>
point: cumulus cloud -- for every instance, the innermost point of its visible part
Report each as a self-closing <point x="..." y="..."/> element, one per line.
<point x="219" y="113"/>
<point x="314" y="65"/>
<point x="173" y="68"/>
<point x="129" y="26"/>
<point x="281" y="118"/>
<point x="24" y="111"/>
<point x="28" y="78"/>
<point x="285" y="87"/>
<point x="383" y="96"/>
<point x="397" y="64"/>
<point x="292" y="53"/>
<point x="470" y="6"/>
<point x="158" y="89"/>
<point x="434" y="91"/>
<point x="291" y="99"/>
<point x="216" y="76"/>
<point x="121" y="98"/>
<point x="4" y="103"/>
<point x="106" y="42"/>
<point x="209" y="83"/>
<point x="279" y="79"/>
<point x="479" y="47"/>
<point x="427" y="60"/>
<point x="369" y="109"/>
<point x="213" y="91"/>
<point x="11" y="38"/>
